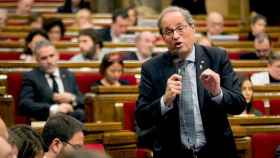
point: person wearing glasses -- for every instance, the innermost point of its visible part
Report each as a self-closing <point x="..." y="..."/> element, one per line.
<point x="263" y="46"/>
<point x="62" y="133"/>
<point x="186" y="94"/>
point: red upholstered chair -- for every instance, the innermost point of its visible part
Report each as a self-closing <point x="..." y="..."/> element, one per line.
<point x="259" y="105"/>
<point x="9" y="55"/>
<point x="274" y="107"/>
<point x="130" y="78"/>
<point x="128" y="110"/>
<point x="234" y="56"/>
<point x="14" y="82"/>
<point x="86" y="79"/>
<point x="265" y="144"/>
<point x="67" y="55"/>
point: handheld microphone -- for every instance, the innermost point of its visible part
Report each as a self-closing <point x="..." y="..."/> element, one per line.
<point x="178" y="62"/>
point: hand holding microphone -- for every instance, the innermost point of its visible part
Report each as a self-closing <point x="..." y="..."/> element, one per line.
<point x="174" y="83"/>
<point x="173" y="88"/>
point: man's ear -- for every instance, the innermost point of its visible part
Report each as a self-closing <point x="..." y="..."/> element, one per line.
<point x="56" y="146"/>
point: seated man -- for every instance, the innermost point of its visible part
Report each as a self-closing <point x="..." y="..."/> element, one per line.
<point x="258" y="25"/>
<point x="273" y="73"/>
<point x="262" y="44"/>
<point x="118" y="27"/>
<point x="215" y="24"/>
<point x="145" y="45"/>
<point x="61" y="134"/>
<point x="83" y="19"/>
<point x="89" y="46"/>
<point x="48" y="89"/>
<point x="24" y="7"/>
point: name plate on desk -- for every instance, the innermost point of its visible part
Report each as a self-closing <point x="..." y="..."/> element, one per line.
<point x="121" y="89"/>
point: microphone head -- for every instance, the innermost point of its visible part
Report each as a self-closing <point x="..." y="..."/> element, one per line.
<point x="178" y="62"/>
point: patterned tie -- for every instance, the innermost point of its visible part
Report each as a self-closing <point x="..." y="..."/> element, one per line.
<point x="55" y="85"/>
<point x="186" y="109"/>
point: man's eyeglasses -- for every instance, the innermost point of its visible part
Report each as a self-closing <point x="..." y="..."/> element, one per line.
<point x="74" y="146"/>
<point x="179" y="29"/>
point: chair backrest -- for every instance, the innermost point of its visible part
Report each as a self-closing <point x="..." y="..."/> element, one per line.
<point x="14" y="83"/>
<point x="129" y="109"/>
<point x="259" y="105"/>
<point x="265" y="144"/>
<point x="274" y="107"/>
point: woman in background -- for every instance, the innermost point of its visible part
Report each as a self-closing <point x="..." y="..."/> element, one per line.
<point x="55" y="29"/>
<point x="247" y="91"/>
<point x="33" y="37"/>
<point x="111" y="69"/>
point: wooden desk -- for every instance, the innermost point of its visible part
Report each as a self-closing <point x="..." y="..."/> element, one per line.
<point x="253" y="124"/>
<point x="7" y="109"/>
<point x="101" y="103"/>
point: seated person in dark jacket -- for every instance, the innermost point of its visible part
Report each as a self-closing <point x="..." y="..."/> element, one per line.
<point x="118" y="27"/>
<point x="144" y="44"/>
<point x="73" y="6"/>
<point x="247" y="92"/>
<point x="215" y="24"/>
<point x="48" y="89"/>
<point x="258" y="25"/>
<point x="262" y="44"/>
<point x="111" y="69"/>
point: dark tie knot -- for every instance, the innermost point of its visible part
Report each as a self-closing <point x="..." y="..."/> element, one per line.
<point x="52" y="76"/>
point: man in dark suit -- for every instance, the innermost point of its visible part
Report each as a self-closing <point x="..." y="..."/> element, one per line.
<point x="144" y="42"/>
<point x="48" y="89"/>
<point x="118" y="27"/>
<point x="262" y="44"/>
<point x="164" y="108"/>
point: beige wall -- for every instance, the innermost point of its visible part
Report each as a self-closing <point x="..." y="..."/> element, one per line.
<point x="229" y="8"/>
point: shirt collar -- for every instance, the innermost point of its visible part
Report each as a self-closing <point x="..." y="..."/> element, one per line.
<point x="55" y="73"/>
<point x="191" y="56"/>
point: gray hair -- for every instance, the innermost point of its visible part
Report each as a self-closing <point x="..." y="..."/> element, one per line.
<point x="41" y="44"/>
<point x="186" y="14"/>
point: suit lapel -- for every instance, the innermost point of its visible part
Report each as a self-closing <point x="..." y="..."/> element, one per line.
<point x="201" y="63"/>
<point x="169" y="67"/>
<point x="45" y="84"/>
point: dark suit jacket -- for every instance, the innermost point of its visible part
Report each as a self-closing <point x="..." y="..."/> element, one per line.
<point x="104" y="34"/>
<point x="36" y="95"/>
<point x="165" y="129"/>
<point x="249" y="56"/>
<point x="130" y="56"/>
